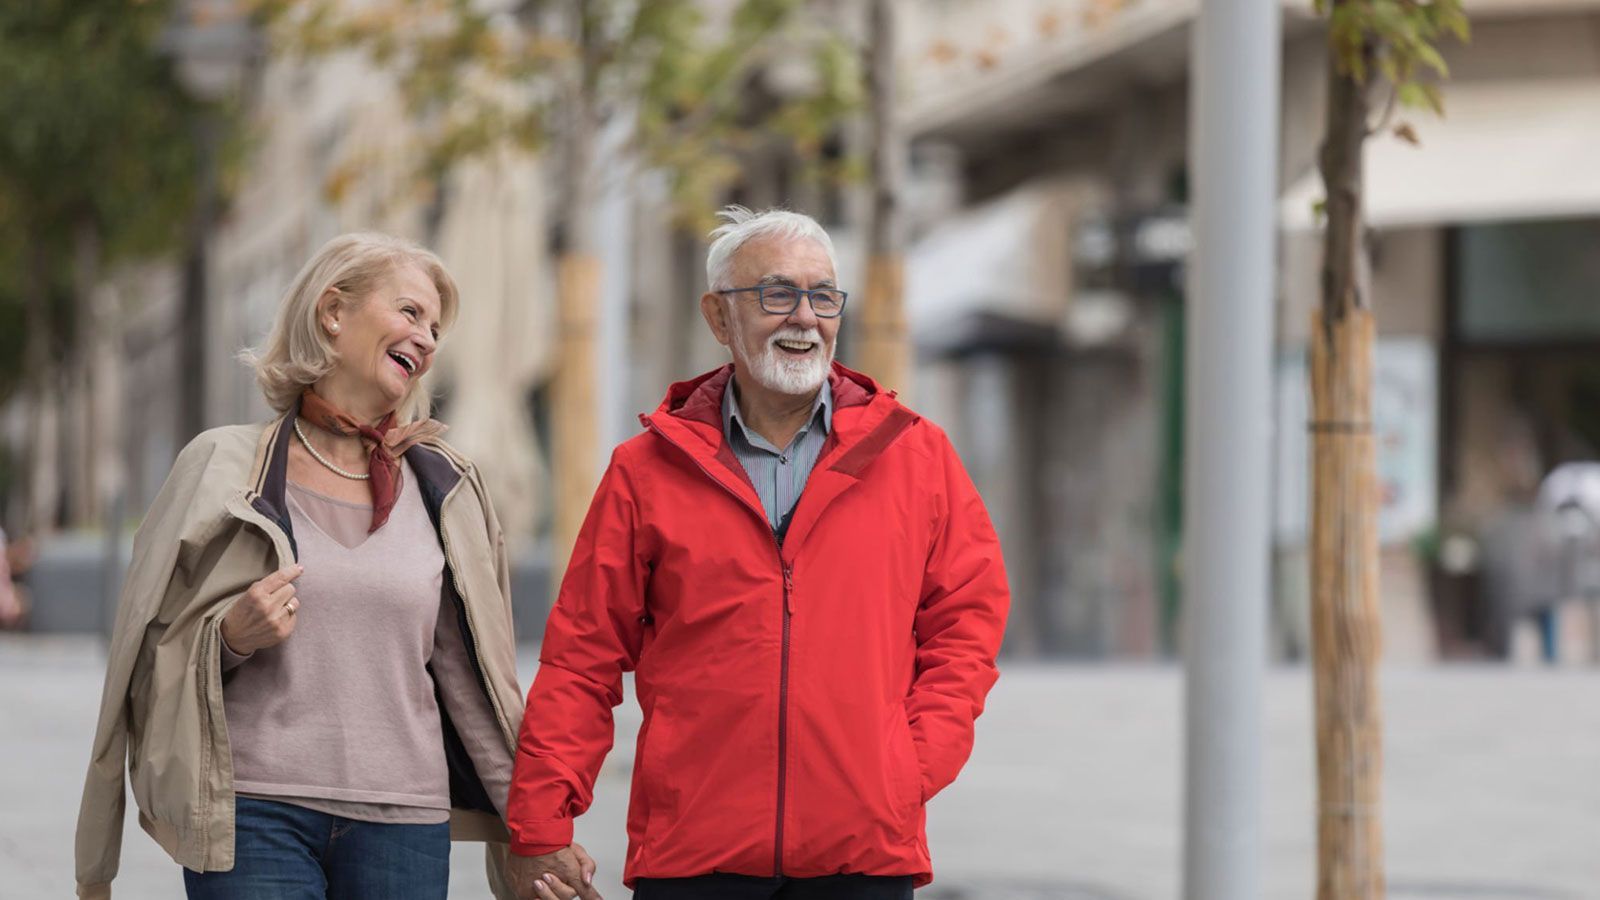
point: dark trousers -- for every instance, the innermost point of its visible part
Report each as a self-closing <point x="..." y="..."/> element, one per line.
<point x="745" y="887"/>
<point x="286" y="852"/>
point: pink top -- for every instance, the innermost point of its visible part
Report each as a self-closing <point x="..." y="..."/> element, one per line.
<point x="342" y="716"/>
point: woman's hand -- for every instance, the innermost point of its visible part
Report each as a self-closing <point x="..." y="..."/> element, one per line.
<point x="552" y="888"/>
<point x="264" y="616"/>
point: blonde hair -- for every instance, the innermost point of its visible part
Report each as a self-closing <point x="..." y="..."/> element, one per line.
<point x="298" y="352"/>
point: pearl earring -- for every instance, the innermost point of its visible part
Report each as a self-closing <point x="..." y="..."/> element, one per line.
<point x="334" y="328"/>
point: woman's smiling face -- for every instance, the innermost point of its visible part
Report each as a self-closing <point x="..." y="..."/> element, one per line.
<point x="384" y="341"/>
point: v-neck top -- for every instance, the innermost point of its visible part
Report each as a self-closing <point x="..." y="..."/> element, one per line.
<point x="341" y="520"/>
<point x="342" y="717"/>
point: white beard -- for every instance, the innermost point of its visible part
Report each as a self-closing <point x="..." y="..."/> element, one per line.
<point x="776" y="371"/>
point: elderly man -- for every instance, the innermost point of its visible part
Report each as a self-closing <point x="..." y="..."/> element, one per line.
<point x="811" y="595"/>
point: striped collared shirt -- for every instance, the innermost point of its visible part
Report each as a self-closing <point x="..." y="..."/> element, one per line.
<point x="778" y="475"/>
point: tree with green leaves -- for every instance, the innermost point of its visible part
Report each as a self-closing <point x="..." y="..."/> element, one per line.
<point x="1383" y="55"/>
<point x="96" y="167"/>
<point x="688" y="93"/>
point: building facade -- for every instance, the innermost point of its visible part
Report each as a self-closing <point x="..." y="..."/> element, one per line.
<point x="1487" y="342"/>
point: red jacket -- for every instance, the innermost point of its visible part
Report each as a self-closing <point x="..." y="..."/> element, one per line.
<point x="801" y="704"/>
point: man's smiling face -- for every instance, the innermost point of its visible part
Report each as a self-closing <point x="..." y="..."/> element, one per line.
<point x="789" y="354"/>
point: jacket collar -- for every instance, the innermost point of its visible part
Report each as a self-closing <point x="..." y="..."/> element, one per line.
<point x="271" y="474"/>
<point x="700" y="398"/>
<point x="867" y="420"/>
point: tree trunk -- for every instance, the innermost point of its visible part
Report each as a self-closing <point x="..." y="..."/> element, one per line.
<point x="1345" y="621"/>
<point x="574" y="448"/>
<point x="885" y="352"/>
<point x="83" y="486"/>
<point x="573" y="456"/>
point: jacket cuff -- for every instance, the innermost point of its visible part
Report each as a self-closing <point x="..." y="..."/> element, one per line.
<point x="97" y="891"/>
<point x="540" y="837"/>
<point x="518" y="848"/>
<point x="230" y="659"/>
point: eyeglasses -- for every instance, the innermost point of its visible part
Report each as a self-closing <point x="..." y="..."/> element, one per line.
<point x="783" y="299"/>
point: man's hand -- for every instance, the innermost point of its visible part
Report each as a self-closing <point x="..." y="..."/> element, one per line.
<point x="562" y="875"/>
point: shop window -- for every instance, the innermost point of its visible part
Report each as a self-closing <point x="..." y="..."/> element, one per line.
<point x="1529" y="282"/>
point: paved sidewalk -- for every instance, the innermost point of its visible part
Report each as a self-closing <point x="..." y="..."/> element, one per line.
<point x="1493" y="779"/>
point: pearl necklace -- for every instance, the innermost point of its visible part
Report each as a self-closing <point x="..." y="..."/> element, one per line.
<point x="318" y="456"/>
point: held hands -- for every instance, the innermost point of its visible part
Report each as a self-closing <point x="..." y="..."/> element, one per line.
<point x="562" y="875"/>
<point x="265" y="615"/>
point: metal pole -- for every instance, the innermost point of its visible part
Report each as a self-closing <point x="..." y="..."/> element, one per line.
<point x="194" y="329"/>
<point x="1233" y="122"/>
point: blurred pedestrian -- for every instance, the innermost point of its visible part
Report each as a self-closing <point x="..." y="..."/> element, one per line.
<point x="12" y="610"/>
<point x="811" y="594"/>
<point x="312" y="677"/>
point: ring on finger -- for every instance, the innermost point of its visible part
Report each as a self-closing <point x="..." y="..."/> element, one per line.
<point x="290" y="605"/>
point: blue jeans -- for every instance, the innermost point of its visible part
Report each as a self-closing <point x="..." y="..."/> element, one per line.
<point x="285" y="852"/>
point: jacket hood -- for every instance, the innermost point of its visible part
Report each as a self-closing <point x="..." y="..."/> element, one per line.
<point x="700" y="398"/>
<point x="867" y="419"/>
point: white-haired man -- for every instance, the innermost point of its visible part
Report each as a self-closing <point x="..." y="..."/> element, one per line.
<point x="809" y="590"/>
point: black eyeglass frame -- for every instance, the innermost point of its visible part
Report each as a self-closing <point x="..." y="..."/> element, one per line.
<point x="761" y="298"/>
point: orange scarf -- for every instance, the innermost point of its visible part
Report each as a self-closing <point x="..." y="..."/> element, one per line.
<point x="386" y="442"/>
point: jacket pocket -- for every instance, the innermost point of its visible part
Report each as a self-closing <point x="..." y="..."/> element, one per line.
<point x="904" y="768"/>
<point x="648" y="768"/>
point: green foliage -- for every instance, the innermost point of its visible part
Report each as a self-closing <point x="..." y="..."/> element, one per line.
<point x="94" y="123"/>
<point x="476" y="80"/>
<point x="1401" y="38"/>
<point x="94" y="132"/>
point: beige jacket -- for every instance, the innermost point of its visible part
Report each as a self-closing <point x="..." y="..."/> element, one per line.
<point x="219" y="524"/>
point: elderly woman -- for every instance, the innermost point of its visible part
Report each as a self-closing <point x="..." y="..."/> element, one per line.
<point x="312" y="679"/>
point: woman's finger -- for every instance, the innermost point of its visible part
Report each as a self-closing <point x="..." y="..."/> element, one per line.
<point x="281" y="577"/>
<point x="553" y="888"/>
<point x="285" y="609"/>
<point x="280" y="596"/>
<point x="558" y="888"/>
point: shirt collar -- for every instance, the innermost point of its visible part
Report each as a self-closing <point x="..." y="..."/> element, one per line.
<point x="822" y="408"/>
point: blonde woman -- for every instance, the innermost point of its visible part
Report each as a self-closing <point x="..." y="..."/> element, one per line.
<point x="312" y="679"/>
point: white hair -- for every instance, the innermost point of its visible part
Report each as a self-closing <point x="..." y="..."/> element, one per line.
<point x="741" y="225"/>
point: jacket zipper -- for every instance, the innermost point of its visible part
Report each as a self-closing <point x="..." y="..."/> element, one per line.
<point x="209" y="650"/>
<point x="206" y="750"/>
<point x="472" y="630"/>
<point x="783" y="665"/>
<point x="783" y="716"/>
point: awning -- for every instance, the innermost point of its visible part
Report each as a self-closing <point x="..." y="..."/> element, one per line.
<point x="1010" y="257"/>
<point x="1505" y="150"/>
